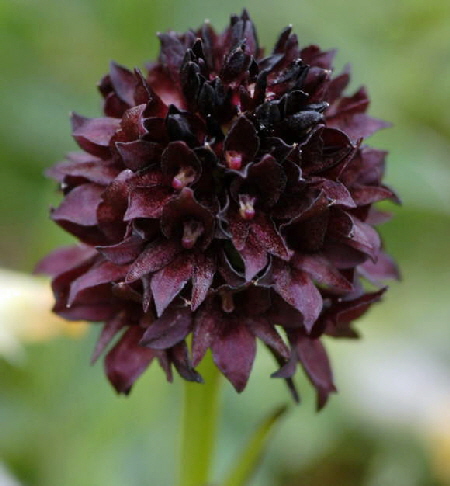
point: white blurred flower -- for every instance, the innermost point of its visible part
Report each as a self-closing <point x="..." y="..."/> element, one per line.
<point x="400" y="383"/>
<point x="5" y="477"/>
<point x="25" y="314"/>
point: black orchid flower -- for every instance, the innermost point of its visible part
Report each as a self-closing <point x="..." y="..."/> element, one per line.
<point x="227" y="195"/>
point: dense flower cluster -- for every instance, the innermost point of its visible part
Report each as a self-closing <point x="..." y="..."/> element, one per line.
<point x="227" y="195"/>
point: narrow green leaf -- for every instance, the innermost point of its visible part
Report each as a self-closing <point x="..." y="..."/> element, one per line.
<point x="250" y="458"/>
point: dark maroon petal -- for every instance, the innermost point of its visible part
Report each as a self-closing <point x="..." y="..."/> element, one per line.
<point x="325" y="149"/>
<point x="269" y="238"/>
<point x="343" y="256"/>
<point x="147" y="296"/>
<point x="132" y="124"/>
<point x="168" y="330"/>
<point x="337" y="85"/>
<point x="206" y="330"/>
<point x="109" y="330"/>
<point x="371" y="165"/>
<point x="179" y="356"/>
<point x="102" y="273"/>
<point x="242" y="140"/>
<point x="232" y="277"/>
<point x="283" y="314"/>
<point x="94" y="134"/>
<point x="376" y="217"/>
<point x="298" y="290"/>
<point x="269" y="177"/>
<point x="347" y="311"/>
<point x="371" y="194"/>
<point x="365" y="168"/>
<point x="354" y="233"/>
<point x="286" y="371"/>
<point x="123" y="252"/>
<point x="178" y="156"/>
<point x="385" y="268"/>
<point x="138" y="154"/>
<point x="165" y="362"/>
<point x="173" y="48"/>
<point x="312" y="204"/>
<point x="170" y="280"/>
<point x="80" y="205"/>
<point x="147" y="202"/>
<point x="100" y="312"/>
<point x="157" y="255"/>
<point x="144" y="94"/>
<point x="111" y="210"/>
<point x="310" y="235"/>
<point x="357" y="103"/>
<point x="93" y="170"/>
<point x="322" y="270"/>
<point x="185" y="207"/>
<point x="254" y="256"/>
<point x="63" y="259"/>
<point x="265" y="331"/>
<point x="239" y="229"/>
<point x="358" y="126"/>
<point x="234" y="352"/>
<point x="202" y="277"/>
<point x="313" y="357"/>
<point x="337" y="194"/>
<point x="314" y="55"/>
<point x="125" y="291"/>
<point x="113" y="106"/>
<point x="123" y="81"/>
<point x="127" y="360"/>
<point x="156" y="130"/>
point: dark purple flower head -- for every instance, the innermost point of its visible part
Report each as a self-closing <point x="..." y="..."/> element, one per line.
<point x="226" y="194"/>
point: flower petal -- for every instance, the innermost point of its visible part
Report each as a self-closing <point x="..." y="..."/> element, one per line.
<point x="170" y="280"/>
<point x="169" y="329"/>
<point x="94" y="134"/>
<point x="127" y="360"/>
<point x="265" y="331"/>
<point x="322" y="270"/>
<point x="109" y="330"/>
<point x="313" y="357"/>
<point x="147" y="202"/>
<point x="138" y="154"/>
<point x="206" y="330"/>
<point x="102" y="273"/>
<point x="202" y="277"/>
<point x="385" y="268"/>
<point x="80" y="205"/>
<point x="63" y="259"/>
<point x="123" y="81"/>
<point x="298" y="290"/>
<point x="254" y="256"/>
<point x="123" y="252"/>
<point x="233" y="352"/>
<point x="179" y="356"/>
<point x="157" y="255"/>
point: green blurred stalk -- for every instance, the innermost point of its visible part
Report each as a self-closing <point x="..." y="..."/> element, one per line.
<point x="200" y="421"/>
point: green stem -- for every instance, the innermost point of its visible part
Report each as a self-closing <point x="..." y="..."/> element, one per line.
<point x="200" y="417"/>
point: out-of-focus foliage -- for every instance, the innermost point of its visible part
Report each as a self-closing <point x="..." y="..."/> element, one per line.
<point x="61" y="424"/>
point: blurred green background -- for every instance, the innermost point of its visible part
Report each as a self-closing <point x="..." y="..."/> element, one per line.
<point x="60" y="422"/>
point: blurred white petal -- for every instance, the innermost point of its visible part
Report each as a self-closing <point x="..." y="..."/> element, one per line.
<point x="25" y="314"/>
